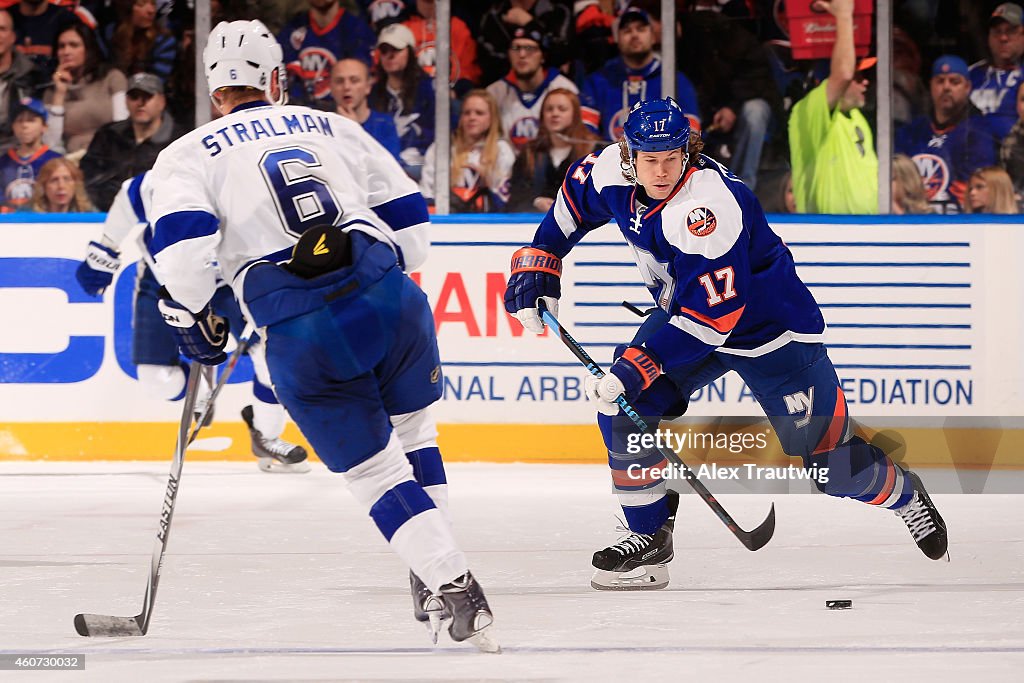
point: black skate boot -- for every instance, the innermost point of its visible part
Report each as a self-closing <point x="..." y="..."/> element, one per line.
<point x="275" y="455"/>
<point x="471" y="616"/>
<point x="924" y="521"/>
<point x="427" y="607"/>
<point x="637" y="562"/>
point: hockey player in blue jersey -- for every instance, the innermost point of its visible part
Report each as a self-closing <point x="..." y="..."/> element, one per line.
<point x="154" y="347"/>
<point x="315" y="225"/>
<point x="729" y="299"/>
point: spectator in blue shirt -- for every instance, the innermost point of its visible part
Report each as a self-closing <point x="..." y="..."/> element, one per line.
<point x="350" y="88"/>
<point x="20" y="166"/>
<point x="609" y="93"/>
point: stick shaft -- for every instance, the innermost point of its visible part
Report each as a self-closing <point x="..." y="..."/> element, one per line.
<point x="752" y="540"/>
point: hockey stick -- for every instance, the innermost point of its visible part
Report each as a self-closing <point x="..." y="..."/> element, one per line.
<point x="752" y="540"/>
<point x="104" y="625"/>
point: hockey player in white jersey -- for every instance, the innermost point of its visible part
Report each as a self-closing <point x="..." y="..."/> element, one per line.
<point x="154" y="346"/>
<point x="313" y="222"/>
<point x="728" y="298"/>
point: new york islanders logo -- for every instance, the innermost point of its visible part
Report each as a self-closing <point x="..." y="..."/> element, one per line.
<point x="523" y="130"/>
<point x="426" y="55"/>
<point x="935" y="174"/>
<point x="701" y="222"/>
<point x="316" y="70"/>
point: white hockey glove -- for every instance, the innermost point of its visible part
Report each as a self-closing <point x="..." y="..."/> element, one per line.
<point x="96" y="272"/>
<point x="631" y="373"/>
<point x="603" y="392"/>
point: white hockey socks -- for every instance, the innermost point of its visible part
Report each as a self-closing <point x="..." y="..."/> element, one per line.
<point x="407" y="516"/>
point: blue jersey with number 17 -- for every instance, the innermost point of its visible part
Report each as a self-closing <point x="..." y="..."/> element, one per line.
<point x="706" y="253"/>
<point x="247" y="185"/>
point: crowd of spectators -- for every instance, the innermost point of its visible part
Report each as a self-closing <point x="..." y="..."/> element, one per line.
<point x="104" y="85"/>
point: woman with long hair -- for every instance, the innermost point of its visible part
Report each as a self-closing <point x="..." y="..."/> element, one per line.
<point x="139" y="41"/>
<point x="544" y="161"/>
<point x="990" y="190"/>
<point x="60" y="188"/>
<point x="404" y="90"/>
<point x="908" y="195"/>
<point x="86" y="93"/>
<point x="482" y="158"/>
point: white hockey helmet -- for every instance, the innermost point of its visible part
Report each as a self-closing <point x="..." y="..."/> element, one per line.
<point x="243" y="53"/>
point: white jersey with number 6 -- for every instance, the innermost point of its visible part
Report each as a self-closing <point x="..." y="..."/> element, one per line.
<point x="247" y="185"/>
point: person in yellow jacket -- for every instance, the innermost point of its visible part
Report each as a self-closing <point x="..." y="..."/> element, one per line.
<point x="832" y="150"/>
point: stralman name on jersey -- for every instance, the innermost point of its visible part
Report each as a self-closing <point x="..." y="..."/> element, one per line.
<point x="706" y="253"/>
<point x="277" y="125"/>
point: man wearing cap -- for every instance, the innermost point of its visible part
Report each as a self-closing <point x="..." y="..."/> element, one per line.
<point x="20" y="166"/>
<point x="313" y="41"/>
<point x="635" y="75"/>
<point x="994" y="81"/>
<point x="123" y="149"/>
<point x="499" y="24"/>
<point x="521" y="93"/>
<point x="951" y="143"/>
<point x="832" y="151"/>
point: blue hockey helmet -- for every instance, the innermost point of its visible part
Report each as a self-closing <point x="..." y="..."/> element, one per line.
<point x="656" y="126"/>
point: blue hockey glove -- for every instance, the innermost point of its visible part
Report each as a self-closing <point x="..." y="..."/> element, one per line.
<point x="201" y="336"/>
<point x="536" y="274"/>
<point x="633" y="371"/>
<point x="96" y="272"/>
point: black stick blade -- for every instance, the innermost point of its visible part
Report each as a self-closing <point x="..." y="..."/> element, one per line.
<point x="104" y="626"/>
<point x="759" y="537"/>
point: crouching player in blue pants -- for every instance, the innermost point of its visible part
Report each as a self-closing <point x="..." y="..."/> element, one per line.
<point x="729" y="299"/>
<point x="314" y="224"/>
<point x="154" y="346"/>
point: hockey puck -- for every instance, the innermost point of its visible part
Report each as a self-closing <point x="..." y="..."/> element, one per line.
<point x="839" y="604"/>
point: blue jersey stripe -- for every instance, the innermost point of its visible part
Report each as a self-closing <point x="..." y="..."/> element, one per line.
<point x="135" y="197"/>
<point x="403" y="212"/>
<point x="180" y="226"/>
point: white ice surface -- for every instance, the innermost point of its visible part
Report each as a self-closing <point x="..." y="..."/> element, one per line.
<point x="281" y="577"/>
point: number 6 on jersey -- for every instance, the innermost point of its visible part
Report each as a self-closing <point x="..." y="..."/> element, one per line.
<point x="302" y="198"/>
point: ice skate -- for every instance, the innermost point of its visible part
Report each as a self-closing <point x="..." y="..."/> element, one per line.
<point x="637" y="562"/>
<point x="428" y="608"/>
<point x="924" y="521"/>
<point x="471" y="616"/>
<point x="275" y="455"/>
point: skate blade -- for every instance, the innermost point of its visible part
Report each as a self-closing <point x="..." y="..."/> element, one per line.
<point x="646" y="578"/>
<point x="434" y="623"/>
<point x="485" y="640"/>
<point x="276" y="467"/>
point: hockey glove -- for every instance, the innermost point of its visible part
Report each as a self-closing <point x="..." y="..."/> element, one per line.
<point x="635" y="370"/>
<point x="535" y="276"/>
<point x="96" y="272"/>
<point x="201" y="336"/>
